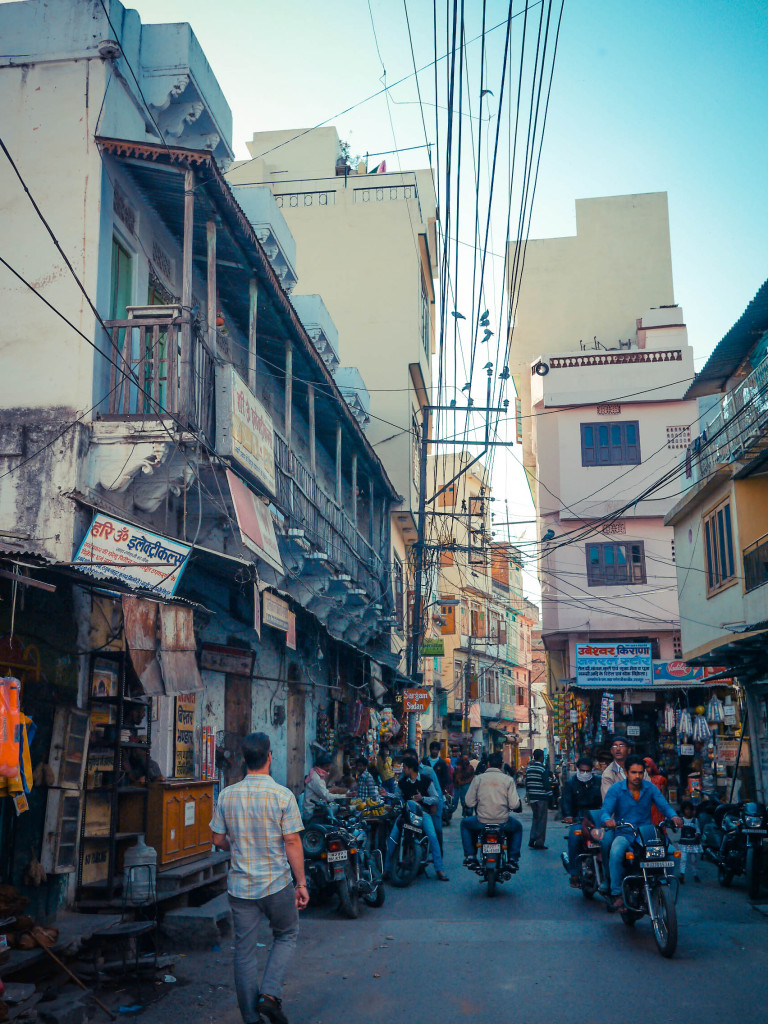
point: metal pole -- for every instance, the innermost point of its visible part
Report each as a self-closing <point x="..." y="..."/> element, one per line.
<point x="416" y="629"/>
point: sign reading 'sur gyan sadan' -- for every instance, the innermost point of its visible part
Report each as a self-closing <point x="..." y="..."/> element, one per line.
<point x="244" y="429"/>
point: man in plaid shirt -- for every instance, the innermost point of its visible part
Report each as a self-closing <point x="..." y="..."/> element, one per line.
<point x="259" y="822"/>
<point x="365" y="786"/>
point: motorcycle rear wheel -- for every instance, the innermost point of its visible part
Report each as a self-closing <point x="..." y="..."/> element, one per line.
<point x="664" y="920"/>
<point x="403" y="872"/>
<point x="588" y="887"/>
<point x="377" y="897"/>
<point x="724" y="876"/>
<point x="490" y="880"/>
<point x="754" y="865"/>
<point x="349" y="899"/>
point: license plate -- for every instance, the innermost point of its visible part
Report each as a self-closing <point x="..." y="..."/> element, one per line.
<point x="413" y="828"/>
<point x="335" y="855"/>
<point x="756" y="831"/>
<point x="491" y="847"/>
<point x="658" y="863"/>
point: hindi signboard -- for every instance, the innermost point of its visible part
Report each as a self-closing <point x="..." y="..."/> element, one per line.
<point x="257" y="530"/>
<point x="416" y="700"/>
<point x="613" y="665"/>
<point x="433" y="647"/>
<point x="184" y="760"/>
<point x="275" y="612"/>
<point x="112" y="549"/>
<point x="244" y="429"/>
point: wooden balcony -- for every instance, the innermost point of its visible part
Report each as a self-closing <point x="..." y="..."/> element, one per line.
<point x="161" y="369"/>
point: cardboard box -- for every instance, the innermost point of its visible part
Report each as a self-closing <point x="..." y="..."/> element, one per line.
<point x="95" y="862"/>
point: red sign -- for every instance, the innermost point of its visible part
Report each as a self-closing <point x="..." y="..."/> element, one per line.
<point x="416" y="700"/>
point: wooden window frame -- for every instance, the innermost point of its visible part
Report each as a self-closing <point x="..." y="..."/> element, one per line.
<point x="612" y="573"/>
<point x="719" y="548"/>
<point x="612" y="452"/>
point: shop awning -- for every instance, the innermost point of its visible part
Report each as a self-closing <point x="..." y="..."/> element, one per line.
<point x="161" y="643"/>
<point x="255" y="521"/>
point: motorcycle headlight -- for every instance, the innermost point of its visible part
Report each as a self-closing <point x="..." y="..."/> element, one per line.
<point x="753" y="820"/>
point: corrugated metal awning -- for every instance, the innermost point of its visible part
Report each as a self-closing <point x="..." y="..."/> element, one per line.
<point x="165" y="664"/>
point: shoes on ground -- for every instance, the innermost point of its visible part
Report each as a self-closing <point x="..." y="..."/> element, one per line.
<point x="271" y="1009"/>
<point x="617" y="905"/>
<point x="442" y="877"/>
<point x="697" y="878"/>
<point x="681" y="879"/>
<point x="470" y="862"/>
<point x="603" y="890"/>
<point x="531" y="845"/>
<point x="575" y="882"/>
<point x="513" y="865"/>
<point x="540" y="846"/>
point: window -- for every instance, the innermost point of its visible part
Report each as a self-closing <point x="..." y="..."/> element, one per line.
<point x="425" y="319"/>
<point x="416" y="450"/>
<point x="446" y="557"/>
<point x="613" y="565"/>
<point x="397" y="579"/>
<point x="718" y="547"/>
<point x="756" y="564"/>
<point x="477" y="620"/>
<point x="521" y="696"/>
<point x="518" y="421"/>
<point x="610" y="444"/>
<point x="122" y="282"/>
<point x="448" y="615"/>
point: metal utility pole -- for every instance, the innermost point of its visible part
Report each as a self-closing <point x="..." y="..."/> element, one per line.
<point x="416" y="626"/>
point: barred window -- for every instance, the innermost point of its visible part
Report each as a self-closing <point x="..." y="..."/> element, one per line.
<point x="613" y="565"/>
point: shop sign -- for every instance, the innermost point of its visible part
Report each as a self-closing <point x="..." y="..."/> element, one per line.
<point x="416" y="701"/>
<point x="622" y="666"/>
<point x="633" y="730"/>
<point x="728" y="750"/>
<point x="184" y="761"/>
<point x="687" y="750"/>
<point x="434" y="647"/>
<point x="112" y="549"/>
<point x="233" y="660"/>
<point x="257" y="531"/>
<point x="275" y="612"/>
<point x="244" y="429"/>
<point x="684" y="674"/>
<point x="290" y="636"/>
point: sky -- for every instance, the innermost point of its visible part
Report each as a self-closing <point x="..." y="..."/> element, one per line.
<point x="646" y="96"/>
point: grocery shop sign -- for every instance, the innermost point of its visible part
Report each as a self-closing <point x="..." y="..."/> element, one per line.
<point x="607" y="666"/>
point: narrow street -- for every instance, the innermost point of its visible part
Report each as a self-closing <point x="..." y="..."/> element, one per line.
<point x="436" y="954"/>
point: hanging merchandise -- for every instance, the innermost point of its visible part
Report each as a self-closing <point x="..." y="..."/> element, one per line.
<point x="669" y="718"/>
<point x="715" y="712"/>
<point x="607" y="711"/>
<point x="685" y="725"/>
<point x="700" y="729"/>
<point x="10" y="727"/>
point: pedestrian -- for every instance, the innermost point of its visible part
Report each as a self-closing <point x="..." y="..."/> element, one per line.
<point x="385" y="769"/>
<point x="660" y="782"/>
<point x="258" y="821"/>
<point x="538" y="788"/>
<point x="462" y="779"/>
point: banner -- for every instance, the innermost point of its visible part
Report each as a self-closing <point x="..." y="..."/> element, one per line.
<point x="257" y="531"/>
<point x="244" y="429"/>
<point x="184" y="760"/>
<point x="682" y="673"/>
<point x="275" y="612"/>
<point x="613" y="666"/>
<point x="112" y="549"/>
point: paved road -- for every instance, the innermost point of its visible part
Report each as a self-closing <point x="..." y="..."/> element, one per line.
<point x="537" y="953"/>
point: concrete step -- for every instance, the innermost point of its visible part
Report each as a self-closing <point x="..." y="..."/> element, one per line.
<point x="199" y="927"/>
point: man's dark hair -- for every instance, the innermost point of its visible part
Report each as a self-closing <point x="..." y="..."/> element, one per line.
<point x="538" y="754"/>
<point x="411" y="763"/>
<point x="255" y="749"/>
<point x="585" y="759"/>
<point x="383" y="746"/>
<point x="495" y="760"/>
<point x="434" y="745"/>
<point x="410" y="752"/>
<point x="362" y="761"/>
<point x="633" y="759"/>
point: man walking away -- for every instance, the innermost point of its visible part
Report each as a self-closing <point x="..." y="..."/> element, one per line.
<point x="538" y="786"/>
<point x="259" y="822"/>
<point x="494" y="796"/>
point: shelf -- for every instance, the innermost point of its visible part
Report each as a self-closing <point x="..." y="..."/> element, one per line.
<point x="114" y="701"/>
<point x="118" y="789"/>
<point x="134" y="745"/>
<point x="117" y="836"/>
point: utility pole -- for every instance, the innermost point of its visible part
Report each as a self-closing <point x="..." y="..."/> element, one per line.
<point x="416" y="628"/>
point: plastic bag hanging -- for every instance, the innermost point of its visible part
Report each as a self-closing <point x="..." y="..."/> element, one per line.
<point x="10" y="727"/>
<point x="685" y="725"/>
<point x="700" y="729"/>
<point x="715" y="711"/>
<point x="669" y="718"/>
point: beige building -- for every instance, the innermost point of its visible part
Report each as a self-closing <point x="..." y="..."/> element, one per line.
<point x="602" y="363"/>
<point x="366" y="243"/>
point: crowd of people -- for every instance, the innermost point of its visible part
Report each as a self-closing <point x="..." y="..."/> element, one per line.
<point x="260" y="823"/>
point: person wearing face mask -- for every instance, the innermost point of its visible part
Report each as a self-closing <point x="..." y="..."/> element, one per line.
<point x="581" y="794"/>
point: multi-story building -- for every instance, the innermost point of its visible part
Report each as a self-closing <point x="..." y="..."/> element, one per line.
<point x="367" y="245"/>
<point x="185" y="492"/>
<point x="602" y="365"/>
<point x="721" y="522"/>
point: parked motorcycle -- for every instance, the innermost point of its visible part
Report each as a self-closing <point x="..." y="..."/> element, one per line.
<point x="647" y="888"/>
<point x="447" y="809"/>
<point x="590" y="867"/>
<point x="734" y="842"/>
<point x="492" y="861"/>
<point x="412" y="851"/>
<point x="339" y="861"/>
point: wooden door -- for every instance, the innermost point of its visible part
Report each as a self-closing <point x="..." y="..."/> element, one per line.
<point x="237" y="722"/>
<point x="296" y="740"/>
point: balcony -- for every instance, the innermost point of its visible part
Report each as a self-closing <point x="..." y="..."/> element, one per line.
<point x="324" y="523"/>
<point x="756" y="564"/>
<point x="738" y="430"/>
<point x="319" y="326"/>
<point x="261" y="209"/>
<point x="153" y="377"/>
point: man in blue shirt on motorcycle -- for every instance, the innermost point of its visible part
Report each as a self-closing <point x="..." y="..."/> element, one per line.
<point x="630" y="801"/>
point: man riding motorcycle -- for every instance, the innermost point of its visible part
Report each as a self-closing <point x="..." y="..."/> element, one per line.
<point x="581" y="794"/>
<point x="421" y="794"/>
<point x="494" y="795"/>
<point x="630" y="800"/>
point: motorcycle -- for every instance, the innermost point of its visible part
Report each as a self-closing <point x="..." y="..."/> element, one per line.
<point x="591" y="875"/>
<point x="734" y="842"/>
<point x="412" y="851"/>
<point x="646" y="887"/>
<point x="339" y="860"/>
<point x="492" y="861"/>
<point x="447" y="809"/>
